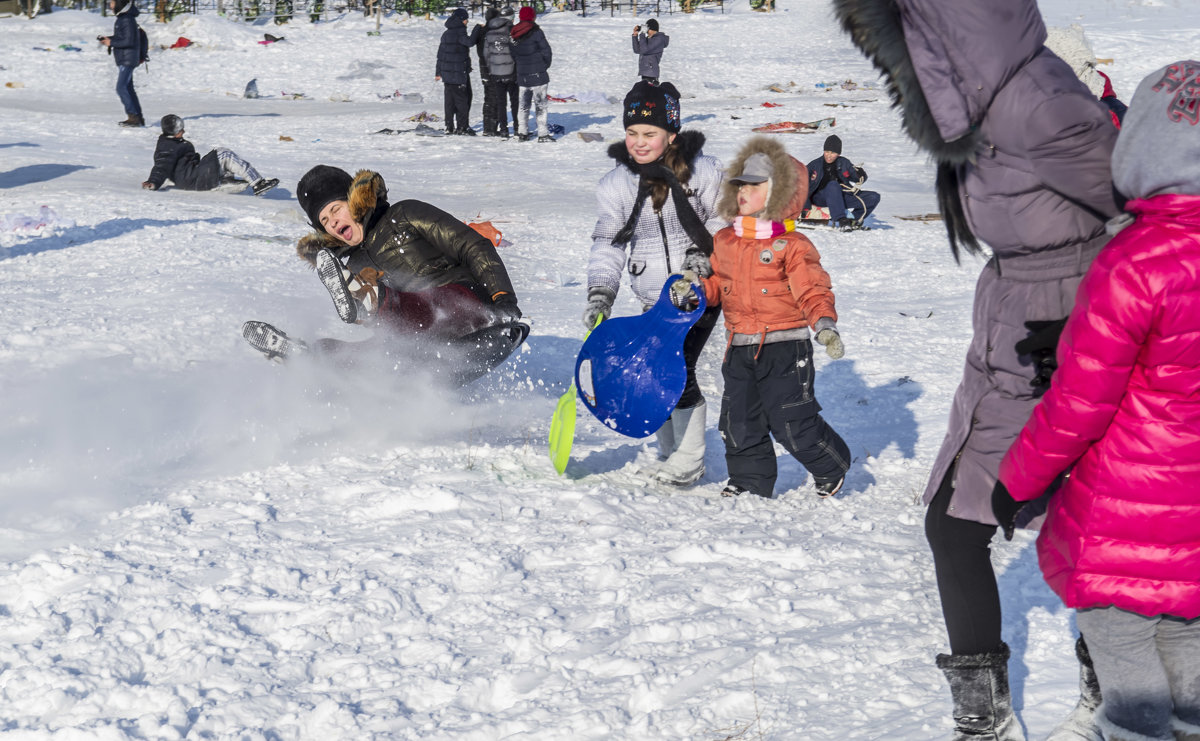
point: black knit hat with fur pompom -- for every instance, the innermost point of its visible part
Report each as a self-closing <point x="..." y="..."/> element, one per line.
<point x="319" y="187"/>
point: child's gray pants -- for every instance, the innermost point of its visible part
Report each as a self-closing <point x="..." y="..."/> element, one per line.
<point x="1148" y="667"/>
<point x="233" y="166"/>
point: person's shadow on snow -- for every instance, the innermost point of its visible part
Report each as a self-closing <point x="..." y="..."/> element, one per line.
<point x="1022" y="591"/>
<point x="37" y="174"/>
<point x="870" y="418"/>
<point x="79" y="235"/>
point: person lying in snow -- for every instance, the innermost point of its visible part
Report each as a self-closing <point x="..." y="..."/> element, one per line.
<point x="409" y="268"/>
<point x="175" y="159"/>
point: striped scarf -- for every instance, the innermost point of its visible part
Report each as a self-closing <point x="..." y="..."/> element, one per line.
<point x="749" y="226"/>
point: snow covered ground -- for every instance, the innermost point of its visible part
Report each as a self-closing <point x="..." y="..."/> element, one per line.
<point x="200" y="544"/>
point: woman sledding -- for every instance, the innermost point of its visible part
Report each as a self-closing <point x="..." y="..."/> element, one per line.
<point x="409" y="268"/>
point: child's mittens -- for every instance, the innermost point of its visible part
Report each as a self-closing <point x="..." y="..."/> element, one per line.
<point x="697" y="262"/>
<point x="832" y="341"/>
<point x="149" y="186"/>
<point x="599" y="308"/>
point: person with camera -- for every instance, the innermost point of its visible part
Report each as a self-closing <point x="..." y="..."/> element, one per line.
<point x="125" y="46"/>
<point x="649" y="48"/>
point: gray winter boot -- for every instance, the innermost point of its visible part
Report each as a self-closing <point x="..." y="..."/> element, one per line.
<point x="686" y="465"/>
<point x="982" y="703"/>
<point x="666" y="440"/>
<point x="1184" y="731"/>
<point x="1080" y="725"/>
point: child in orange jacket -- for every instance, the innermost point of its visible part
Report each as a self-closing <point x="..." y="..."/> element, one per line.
<point x="770" y="283"/>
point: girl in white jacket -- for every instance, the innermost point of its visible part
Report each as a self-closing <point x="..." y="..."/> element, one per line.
<point x="657" y="214"/>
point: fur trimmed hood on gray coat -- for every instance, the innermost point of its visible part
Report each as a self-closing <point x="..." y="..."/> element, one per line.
<point x="944" y="63"/>
<point x="789" y="181"/>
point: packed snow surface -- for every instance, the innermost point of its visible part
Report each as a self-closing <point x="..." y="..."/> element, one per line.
<point x="200" y="544"/>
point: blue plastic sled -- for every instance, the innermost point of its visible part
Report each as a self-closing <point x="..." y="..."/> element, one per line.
<point x="630" y="372"/>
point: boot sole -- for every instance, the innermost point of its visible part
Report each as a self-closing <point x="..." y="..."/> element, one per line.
<point x="329" y="270"/>
<point x="269" y="341"/>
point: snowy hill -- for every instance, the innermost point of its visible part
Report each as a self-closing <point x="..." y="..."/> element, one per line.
<point x="200" y="544"/>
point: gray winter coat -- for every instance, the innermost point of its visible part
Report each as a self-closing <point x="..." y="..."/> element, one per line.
<point x="1023" y="149"/>
<point x="659" y="241"/>
<point x="650" y="50"/>
<point x="497" y="50"/>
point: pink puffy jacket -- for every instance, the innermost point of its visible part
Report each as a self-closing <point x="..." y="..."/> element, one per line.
<point x="1123" y="415"/>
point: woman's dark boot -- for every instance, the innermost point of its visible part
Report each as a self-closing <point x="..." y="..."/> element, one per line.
<point x="982" y="702"/>
<point x="1080" y="725"/>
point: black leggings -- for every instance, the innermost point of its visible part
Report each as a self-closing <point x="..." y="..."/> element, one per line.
<point x="693" y="344"/>
<point x="962" y="558"/>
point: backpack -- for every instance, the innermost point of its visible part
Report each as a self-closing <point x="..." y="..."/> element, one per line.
<point x="143" y="46"/>
<point x="497" y="51"/>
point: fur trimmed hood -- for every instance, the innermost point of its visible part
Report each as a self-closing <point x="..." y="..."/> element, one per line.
<point x="691" y="144"/>
<point x="367" y="197"/>
<point x="789" y="181"/>
<point x="963" y="52"/>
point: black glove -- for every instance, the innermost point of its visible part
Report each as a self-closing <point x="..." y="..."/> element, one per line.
<point x="506" y="308"/>
<point x="697" y="262"/>
<point x="1040" y="345"/>
<point x="600" y="301"/>
<point x="1005" y="509"/>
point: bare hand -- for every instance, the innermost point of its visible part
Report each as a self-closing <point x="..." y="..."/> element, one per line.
<point x="106" y="40"/>
<point x="149" y="185"/>
<point x="637" y="29"/>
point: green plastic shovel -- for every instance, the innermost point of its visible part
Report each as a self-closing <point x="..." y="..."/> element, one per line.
<point x="562" y="424"/>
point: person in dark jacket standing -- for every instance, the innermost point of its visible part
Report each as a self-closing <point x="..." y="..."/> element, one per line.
<point x="125" y="46"/>
<point x="836" y="183"/>
<point x="409" y="268"/>
<point x="532" y="54"/>
<point x="499" y="71"/>
<point x="454" y="71"/>
<point x="649" y="48"/>
<point x="1023" y="154"/>
<point x="175" y="159"/>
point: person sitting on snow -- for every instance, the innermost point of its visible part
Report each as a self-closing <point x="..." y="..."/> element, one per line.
<point x="836" y="183"/>
<point x="407" y="267"/>
<point x="175" y="159"/>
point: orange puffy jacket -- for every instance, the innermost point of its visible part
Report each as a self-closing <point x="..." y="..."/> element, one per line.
<point x="765" y="285"/>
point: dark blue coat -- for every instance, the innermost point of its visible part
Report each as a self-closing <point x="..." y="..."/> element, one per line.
<point x="844" y="170"/>
<point x="124" y="43"/>
<point x="176" y="160"/>
<point x="532" y="54"/>
<point x="454" y="51"/>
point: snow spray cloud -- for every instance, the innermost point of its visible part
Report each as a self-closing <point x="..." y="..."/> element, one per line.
<point x="97" y="436"/>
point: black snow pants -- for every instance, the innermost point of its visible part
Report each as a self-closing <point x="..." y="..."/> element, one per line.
<point x="962" y="559"/>
<point x="457" y="107"/>
<point x="769" y="391"/>
<point x="495" y="120"/>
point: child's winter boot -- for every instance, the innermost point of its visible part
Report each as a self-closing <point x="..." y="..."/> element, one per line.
<point x="982" y="701"/>
<point x="270" y="341"/>
<point x="262" y="185"/>
<point x="685" y="466"/>
<point x="355" y="297"/>
<point x="1080" y="725"/>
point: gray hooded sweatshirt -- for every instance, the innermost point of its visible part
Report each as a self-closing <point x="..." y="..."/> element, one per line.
<point x="1023" y="149"/>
